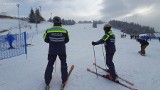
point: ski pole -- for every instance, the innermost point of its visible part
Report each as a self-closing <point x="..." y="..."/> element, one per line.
<point x="95" y="59"/>
<point x="104" y="56"/>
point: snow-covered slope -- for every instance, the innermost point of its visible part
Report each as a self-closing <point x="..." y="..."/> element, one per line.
<point x="19" y="73"/>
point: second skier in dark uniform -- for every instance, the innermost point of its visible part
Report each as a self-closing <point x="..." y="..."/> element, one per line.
<point x="109" y="41"/>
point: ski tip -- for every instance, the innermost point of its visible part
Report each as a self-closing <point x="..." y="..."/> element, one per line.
<point x="88" y="69"/>
<point x="72" y="66"/>
<point x="131" y="83"/>
<point x="134" y="89"/>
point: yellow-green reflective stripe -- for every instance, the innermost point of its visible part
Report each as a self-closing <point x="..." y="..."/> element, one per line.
<point x="56" y="28"/>
<point x="110" y="33"/>
<point x="106" y="38"/>
<point x="52" y="31"/>
<point x="44" y="36"/>
<point x="68" y="35"/>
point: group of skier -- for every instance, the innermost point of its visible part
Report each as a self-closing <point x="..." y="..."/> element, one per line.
<point x="57" y="37"/>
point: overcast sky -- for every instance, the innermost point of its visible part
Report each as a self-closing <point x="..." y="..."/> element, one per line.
<point x="144" y="12"/>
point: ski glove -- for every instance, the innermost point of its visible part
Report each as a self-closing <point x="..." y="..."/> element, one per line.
<point x="94" y="43"/>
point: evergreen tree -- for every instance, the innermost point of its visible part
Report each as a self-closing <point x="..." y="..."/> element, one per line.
<point x="68" y="22"/>
<point x="32" y="16"/>
<point x="85" y="21"/>
<point x="63" y="22"/>
<point x="50" y="20"/>
<point x="131" y="28"/>
<point x="73" y="22"/>
<point x="37" y="16"/>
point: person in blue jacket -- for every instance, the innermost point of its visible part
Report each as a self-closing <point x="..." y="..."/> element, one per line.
<point x="10" y="38"/>
<point x="144" y="43"/>
<point x="109" y="41"/>
<point x="57" y="37"/>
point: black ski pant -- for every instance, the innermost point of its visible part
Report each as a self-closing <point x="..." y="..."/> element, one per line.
<point x="49" y="68"/>
<point x="143" y="47"/>
<point x="110" y="64"/>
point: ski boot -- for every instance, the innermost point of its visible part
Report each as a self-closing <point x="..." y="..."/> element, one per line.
<point x="47" y="87"/>
<point x="109" y="76"/>
<point x="142" y="53"/>
<point x="108" y="70"/>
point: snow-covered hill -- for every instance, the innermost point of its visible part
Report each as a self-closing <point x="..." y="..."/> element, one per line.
<point x="19" y="73"/>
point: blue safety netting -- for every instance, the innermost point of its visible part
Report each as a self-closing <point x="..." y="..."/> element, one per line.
<point x="19" y="46"/>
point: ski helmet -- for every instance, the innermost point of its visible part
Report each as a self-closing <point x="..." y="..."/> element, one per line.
<point x="57" y="19"/>
<point x="107" y="27"/>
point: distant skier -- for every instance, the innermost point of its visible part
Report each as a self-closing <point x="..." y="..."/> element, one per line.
<point x="109" y="41"/>
<point x="144" y="43"/>
<point x="94" y="24"/>
<point x="10" y="38"/>
<point x="57" y="37"/>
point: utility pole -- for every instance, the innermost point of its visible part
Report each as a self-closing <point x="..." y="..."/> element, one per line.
<point x="51" y="15"/>
<point x="40" y="8"/>
<point x="36" y="20"/>
<point x="36" y="24"/>
<point x="19" y="18"/>
<point x="51" y="20"/>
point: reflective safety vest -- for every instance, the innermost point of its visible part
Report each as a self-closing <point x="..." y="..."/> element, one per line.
<point x="55" y="34"/>
<point x="57" y="37"/>
<point x="109" y="42"/>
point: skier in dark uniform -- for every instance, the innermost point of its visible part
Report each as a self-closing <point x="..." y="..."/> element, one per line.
<point x="144" y="43"/>
<point x="57" y="37"/>
<point x="109" y="41"/>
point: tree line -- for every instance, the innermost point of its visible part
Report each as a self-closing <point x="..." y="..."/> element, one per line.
<point x="64" y="22"/>
<point x="68" y="22"/>
<point x="94" y="21"/>
<point x="131" y="28"/>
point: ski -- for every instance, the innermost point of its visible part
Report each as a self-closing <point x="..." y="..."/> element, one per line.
<point x="124" y="85"/>
<point x="70" y="71"/>
<point x="130" y="83"/>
